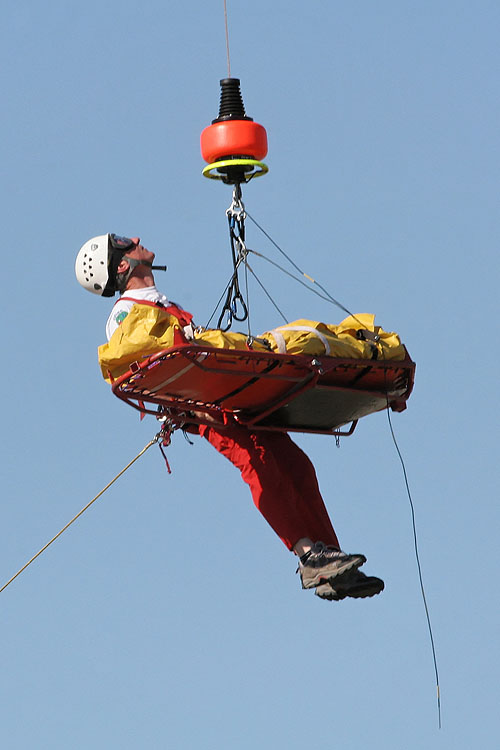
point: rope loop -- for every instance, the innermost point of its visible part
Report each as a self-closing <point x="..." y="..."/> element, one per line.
<point x="235" y="307"/>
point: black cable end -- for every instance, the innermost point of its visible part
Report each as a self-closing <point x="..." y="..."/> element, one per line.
<point x="231" y="102"/>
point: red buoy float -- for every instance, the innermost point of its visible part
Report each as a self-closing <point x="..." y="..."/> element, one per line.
<point x="238" y="138"/>
<point x="233" y="145"/>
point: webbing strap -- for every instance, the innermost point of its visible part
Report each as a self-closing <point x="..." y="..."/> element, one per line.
<point x="184" y="317"/>
<point x="280" y="339"/>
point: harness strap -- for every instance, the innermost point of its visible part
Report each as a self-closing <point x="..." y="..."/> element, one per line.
<point x="280" y="339"/>
<point x="185" y="318"/>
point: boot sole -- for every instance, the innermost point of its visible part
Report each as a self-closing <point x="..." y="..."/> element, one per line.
<point x="360" y="591"/>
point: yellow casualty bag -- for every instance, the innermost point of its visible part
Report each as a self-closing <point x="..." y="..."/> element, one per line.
<point x="357" y="336"/>
<point x="144" y="331"/>
<point x="148" y="329"/>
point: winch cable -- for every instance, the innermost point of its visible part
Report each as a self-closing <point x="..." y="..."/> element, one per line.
<point x="160" y="436"/>
<point x="226" y="25"/>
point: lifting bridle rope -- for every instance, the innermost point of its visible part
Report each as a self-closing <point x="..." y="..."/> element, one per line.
<point x="235" y="307"/>
<point x="234" y="299"/>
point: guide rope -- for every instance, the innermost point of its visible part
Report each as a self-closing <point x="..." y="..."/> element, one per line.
<point x="416" y="550"/>
<point x="160" y="436"/>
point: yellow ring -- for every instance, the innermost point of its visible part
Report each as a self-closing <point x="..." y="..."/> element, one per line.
<point x="262" y="168"/>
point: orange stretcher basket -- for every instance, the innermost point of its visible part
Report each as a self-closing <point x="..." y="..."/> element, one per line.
<point x="264" y="390"/>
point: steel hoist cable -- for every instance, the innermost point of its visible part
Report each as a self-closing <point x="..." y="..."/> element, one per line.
<point x="226" y="25"/>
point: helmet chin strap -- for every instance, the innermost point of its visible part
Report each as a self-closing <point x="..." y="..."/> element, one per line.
<point x="121" y="279"/>
<point x="133" y="263"/>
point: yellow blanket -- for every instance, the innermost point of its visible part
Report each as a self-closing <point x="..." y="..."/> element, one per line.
<point x="147" y="330"/>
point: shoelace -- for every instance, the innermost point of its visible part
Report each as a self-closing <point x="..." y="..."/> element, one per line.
<point x="317" y="549"/>
<point x="321" y="547"/>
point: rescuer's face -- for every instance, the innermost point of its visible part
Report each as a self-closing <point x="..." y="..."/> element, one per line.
<point x="140" y="252"/>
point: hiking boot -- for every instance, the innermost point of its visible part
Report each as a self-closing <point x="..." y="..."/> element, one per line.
<point x="353" y="584"/>
<point x="324" y="564"/>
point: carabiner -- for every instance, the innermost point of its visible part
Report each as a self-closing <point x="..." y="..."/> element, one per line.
<point x="234" y="309"/>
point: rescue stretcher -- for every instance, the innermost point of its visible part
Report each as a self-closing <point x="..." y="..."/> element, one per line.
<point x="191" y="383"/>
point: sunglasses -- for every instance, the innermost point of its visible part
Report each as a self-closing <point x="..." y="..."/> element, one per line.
<point x="121" y="243"/>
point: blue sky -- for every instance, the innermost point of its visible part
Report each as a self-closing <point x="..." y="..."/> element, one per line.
<point x="170" y="614"/>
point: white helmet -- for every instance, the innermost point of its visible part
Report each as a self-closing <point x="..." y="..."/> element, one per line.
<point x="97" y="262"/>
<point x="92" y="266"/>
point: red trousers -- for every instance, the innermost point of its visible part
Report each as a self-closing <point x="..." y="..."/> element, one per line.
<point x="282" y="481"/>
